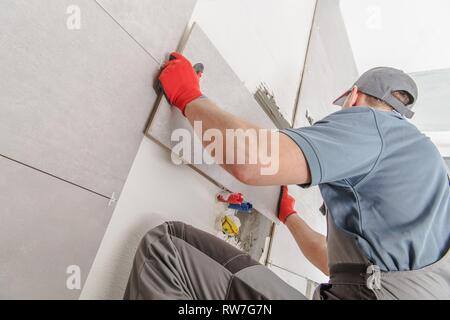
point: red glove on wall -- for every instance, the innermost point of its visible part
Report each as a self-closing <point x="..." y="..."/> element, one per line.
<point x="286" y="205"/>
<point x="180" y="82"/>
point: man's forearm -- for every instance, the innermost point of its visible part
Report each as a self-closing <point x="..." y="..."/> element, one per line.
<point x="311" y="243"/>
<point x="212" y="117"/>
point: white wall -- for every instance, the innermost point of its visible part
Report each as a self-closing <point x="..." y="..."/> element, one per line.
<point x="156" y="191"/>
<point x="262" y="41"/>
<point x="330" y="66"/>
<point x="442" y="141"/>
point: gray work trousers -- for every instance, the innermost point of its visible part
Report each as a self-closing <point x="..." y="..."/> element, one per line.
<point x="177" y="261"/>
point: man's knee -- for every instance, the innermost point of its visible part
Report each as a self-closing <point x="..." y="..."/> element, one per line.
<point x="170" y="228"/>
<point x="180" y="234"/>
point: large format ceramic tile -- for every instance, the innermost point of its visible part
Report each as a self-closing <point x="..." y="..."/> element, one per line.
<point x="74" y="103"/>
<point x="263" y="41"/>
<point x="46" y="225"/>
<point x="157" y="25"/>
<point x="330" y="68"/>
<point x="221" y="84"/>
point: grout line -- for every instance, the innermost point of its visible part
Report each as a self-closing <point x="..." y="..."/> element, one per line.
<point x="53" y="176"/>
<point x="157" y="104"/>
<point x="159" y="63"/>
<point x="302" y="77"/>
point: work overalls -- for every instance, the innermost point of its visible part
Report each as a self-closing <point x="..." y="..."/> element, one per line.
<point x="178" y="261"/>
<point x="353" y="276"/>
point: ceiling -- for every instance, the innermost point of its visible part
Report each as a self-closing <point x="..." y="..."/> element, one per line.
<point x="411" y="35"/>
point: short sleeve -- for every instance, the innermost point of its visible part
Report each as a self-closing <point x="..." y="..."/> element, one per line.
<point x="344" y="145"/>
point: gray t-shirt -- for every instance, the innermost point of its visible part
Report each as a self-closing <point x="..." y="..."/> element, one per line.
<point x="383" y="182"/>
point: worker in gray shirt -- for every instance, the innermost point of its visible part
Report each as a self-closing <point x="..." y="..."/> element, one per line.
<point x="385" y="190"/>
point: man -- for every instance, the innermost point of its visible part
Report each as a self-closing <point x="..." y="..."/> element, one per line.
<point x="384" y="185"/>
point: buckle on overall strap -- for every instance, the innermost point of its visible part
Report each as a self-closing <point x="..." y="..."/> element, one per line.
<point x="374" y="277"/>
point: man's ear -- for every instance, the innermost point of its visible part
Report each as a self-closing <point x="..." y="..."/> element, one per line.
<point x="351" y="98"/>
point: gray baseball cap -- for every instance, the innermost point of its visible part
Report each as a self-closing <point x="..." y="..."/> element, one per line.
<point x="381" y="83"/>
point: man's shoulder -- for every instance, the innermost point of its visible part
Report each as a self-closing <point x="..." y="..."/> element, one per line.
<point x="355" y="120"/>
<point x="369" y="118"/>
<point x="350" y="114"/>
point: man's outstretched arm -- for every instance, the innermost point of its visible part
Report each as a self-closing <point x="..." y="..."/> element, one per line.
<point x="292" y="165"/>
<point x="182" y="88"/>
<point x="312" y="244"/>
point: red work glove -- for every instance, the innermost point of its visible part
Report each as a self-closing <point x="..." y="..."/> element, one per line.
<point x="286" y="205"/>
<point x="180" y="82"/>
